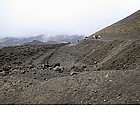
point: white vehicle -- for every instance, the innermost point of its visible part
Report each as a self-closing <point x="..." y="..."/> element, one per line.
<point x="96" y="36"/>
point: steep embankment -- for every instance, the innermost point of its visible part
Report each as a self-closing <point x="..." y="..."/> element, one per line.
<point x="114" y="55"/>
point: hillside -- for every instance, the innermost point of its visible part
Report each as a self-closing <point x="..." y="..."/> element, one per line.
<point x="128" y="28"/>
<point x="112" y="55"/>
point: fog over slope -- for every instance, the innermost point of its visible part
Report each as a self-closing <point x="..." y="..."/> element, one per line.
<point x="14" y="41"/>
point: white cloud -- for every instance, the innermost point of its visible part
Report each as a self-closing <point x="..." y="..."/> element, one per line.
<point x="19" y="17"/>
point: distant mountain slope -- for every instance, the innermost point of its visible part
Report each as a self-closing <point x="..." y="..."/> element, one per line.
<point x="128" y="28"/>
<point x="34" y="42"/>
<point x="66" y="38"/>
<point x="13" y="41"/>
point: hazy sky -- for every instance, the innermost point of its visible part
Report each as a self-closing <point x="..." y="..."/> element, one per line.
<point x="33" y="17"/>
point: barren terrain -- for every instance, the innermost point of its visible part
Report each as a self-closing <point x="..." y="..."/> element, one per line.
<point x="105" y="71"/>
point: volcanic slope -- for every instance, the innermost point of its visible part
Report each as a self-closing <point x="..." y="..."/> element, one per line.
<point x="105" y="71"/>
<point x="128" y="28"/>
